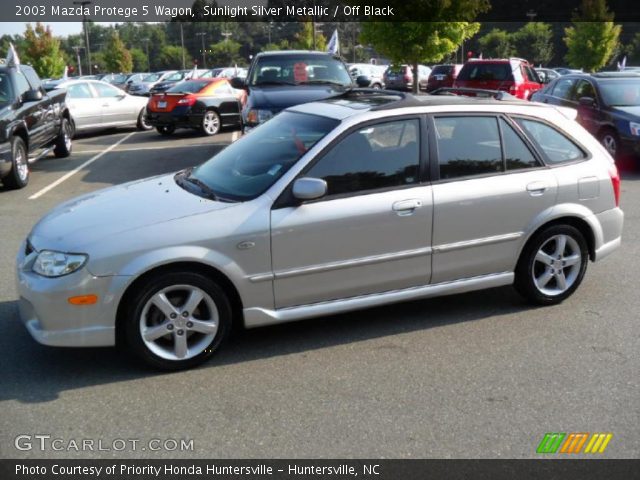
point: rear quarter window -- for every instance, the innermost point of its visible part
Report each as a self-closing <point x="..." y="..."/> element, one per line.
<point x="556" y="146"/>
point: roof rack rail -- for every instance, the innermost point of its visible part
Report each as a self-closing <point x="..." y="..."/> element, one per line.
<point x="495" y="94"/>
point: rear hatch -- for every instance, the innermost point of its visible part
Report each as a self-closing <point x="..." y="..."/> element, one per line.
<point x="166" y="102"/>
<point x="398" y="74"/>
<point x="490" y="76"/>
<point x="441" y="76"/>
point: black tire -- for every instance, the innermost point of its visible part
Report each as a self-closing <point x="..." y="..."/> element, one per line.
<point x="166" y="130"/>
<point x="135" y="308"/>
<point x="610" y="140"/>
<point x="18" y="177"/>
<point x="532" y="272"/>
<point x="142" y="124"/>
<point x="72" y="124"/>
<point x="63" y="143"/>
<point x="210" y="123"/>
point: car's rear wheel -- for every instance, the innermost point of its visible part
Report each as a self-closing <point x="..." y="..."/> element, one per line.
<point x="166" y="129"/>
<point x="177" y="320"/>
<point x="142" y="121"/>
<point x="63" y="141"/>
<point x="610" y="141"/>
<point x="210" y="122"/>
<point x="18" y="177"/>
<point x="552" y="265"/>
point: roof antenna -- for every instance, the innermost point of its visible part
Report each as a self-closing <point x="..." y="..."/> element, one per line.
<point x="12" y="57"/>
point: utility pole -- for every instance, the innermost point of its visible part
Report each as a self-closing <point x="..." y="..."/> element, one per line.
<point x="204" y="55"/>
<point x="77" y="50"/>
<point x="182" y="44"/>
<point x="146" y="47"/>
<point x="83" y="4"/>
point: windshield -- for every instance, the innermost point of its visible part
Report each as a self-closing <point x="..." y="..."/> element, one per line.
<point x="486" y="71"/>
<point x="6" y="92"/>
<point x="299" y="69"/>
<point x="621" y="93"/>
<point x="189" y="86"/>
<point x="248" y="167"/>
<point x="174" y="77"/>
<point x="154" y="77"/>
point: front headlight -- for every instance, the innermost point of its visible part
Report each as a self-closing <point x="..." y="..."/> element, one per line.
<point x="635" y="128"/>
<point x="257" y="116"/>
<point x="56" y="264"/>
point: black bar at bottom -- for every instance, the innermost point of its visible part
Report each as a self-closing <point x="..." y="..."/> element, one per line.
<point x="564" y="469"/>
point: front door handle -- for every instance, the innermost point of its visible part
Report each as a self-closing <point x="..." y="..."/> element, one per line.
<point x="536" y="189"/>
<point x="406" y="207"/>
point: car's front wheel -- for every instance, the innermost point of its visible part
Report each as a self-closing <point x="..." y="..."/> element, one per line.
<point x="177" y="320"/>
<point x="18" y="177"/>
<point x="210" y="122"/>
<point x="552" y="265"/>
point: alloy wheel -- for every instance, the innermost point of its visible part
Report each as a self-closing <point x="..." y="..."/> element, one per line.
<point x="179" y="322"/>
<point x="610" y="144"/>
<point x="211" y="123"/>
<point x="21" y="164"/>
<point x="557" y="265"/>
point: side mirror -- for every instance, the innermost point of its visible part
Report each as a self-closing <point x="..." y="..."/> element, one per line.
<point x="32" y="96"/>
<point x="307" y="188"/>
<point x="587" y="102"/>
<point x="237" y="83"/>
<point x="363" y="81"/>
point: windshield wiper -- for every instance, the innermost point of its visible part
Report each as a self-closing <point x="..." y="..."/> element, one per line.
<point x="322" y="82"/>
<point x="274" y="82"/>
<point x="185" y="176"/>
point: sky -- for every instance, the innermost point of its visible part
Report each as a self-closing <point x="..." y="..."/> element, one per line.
<point x="60" y="29"/>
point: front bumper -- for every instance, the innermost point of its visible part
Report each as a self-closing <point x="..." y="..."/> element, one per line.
<point x="5" y="158"/>
<point x="52" y="320"/>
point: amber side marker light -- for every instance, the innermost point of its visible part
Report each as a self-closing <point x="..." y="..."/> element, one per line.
<point x="83" y="300"/>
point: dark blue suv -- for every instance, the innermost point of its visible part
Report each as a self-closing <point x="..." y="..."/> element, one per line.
<point x="280" y="79"/>
<point x="608" y="106"/>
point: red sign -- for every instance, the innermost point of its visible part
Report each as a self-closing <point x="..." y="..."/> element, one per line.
<point x="300" y="72"/>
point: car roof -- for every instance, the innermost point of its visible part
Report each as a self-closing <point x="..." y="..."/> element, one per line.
<point x="355" y="102"/>
<point x="294" y="52"/>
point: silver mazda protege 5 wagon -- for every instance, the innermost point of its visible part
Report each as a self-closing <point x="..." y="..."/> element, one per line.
<point x="352" y="202"/>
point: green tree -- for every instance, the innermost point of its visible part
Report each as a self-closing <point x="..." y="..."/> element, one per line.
<point x="42" y="51"/>
<point x="632" y="50"/>
<point x="534" y="42"/>
<point x="139" y="60"/>
<point x="225" y="53"/>
<point x="428" y="41"/>
<point x="116" y="57"/>
<point x="496" y="44"/>
<point x="592" y="40"/>
<point x="304" y="38"/>
<point x="170" y="58"/>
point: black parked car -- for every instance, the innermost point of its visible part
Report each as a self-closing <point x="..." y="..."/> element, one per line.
<point x="281" y="79"/>
<point x="33" y="122"/>
<point x="608" y="106"/>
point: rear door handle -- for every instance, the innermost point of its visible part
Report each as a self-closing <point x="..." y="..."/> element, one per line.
<point x="406" y="207"/>
<point x="536" y="189"/>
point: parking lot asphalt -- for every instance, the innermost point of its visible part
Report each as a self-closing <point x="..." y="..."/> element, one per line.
<point x="473" y="375"/>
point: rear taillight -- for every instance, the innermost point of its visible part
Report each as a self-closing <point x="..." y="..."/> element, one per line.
<point x="188" y="100"/>
<point x="407" y="77"/>
<point x="615" y="182"/>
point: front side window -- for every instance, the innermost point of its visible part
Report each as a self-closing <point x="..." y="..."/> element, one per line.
<point x="563" y="88"/>
<point x="556" y="146"/>
<point x="468" y="146"/>
<point x="106" y="91"/>
<point x="248" y="167"/>
<point x="379" y="156"/>
<point x="584" y="89"/>
<point x="79" y="90"/>
<point x="21" y="84"/>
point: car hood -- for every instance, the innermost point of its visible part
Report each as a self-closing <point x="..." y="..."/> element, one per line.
<point x="100" y="215"/>
<point x="284" y="96"/>
<point x="629" y="111"/>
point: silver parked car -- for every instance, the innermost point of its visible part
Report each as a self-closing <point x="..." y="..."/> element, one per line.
<point x="331" y="206"/>
<point x="95" y="105"/>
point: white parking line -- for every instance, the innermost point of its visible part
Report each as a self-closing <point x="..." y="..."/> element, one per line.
<point x="159" y="147"/>
<point x="71" y="173"/>
<point x="234" y="136"/>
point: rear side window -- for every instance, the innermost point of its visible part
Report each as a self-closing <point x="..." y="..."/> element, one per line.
<point x="486" y="71"/>
<point x="468" y="146"/>
<point x="556" y="146"/>
<point x="516" y="153"/>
